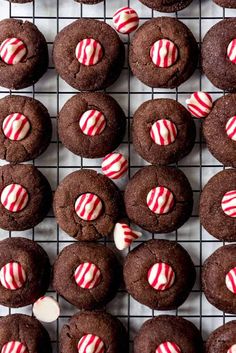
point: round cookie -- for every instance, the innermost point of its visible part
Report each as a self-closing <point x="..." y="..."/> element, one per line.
<point x="23" y="333"/>
<point x="159" y="199"/>
<point x="87" y="205"/>
<point x="26" y="128"/>
<point x="222" y="339"/>
<point x="25" y="196"/>
<point x="163" y="131"/>
<point x="87" y="275"/>
<point x="24" y="57"/>
<point x="89" y="2"/>
<point x="166" y="6"/>
<point x="218" y="58"/>
<point x="164" y="274"/>
<point x="88" y="64"/>
<point x="92" y="327"/>
<point x="226" y="3"/>
<point x="91" y="124"/>
<point x="166" y="331"/>
<point x="221" y="122"/>
<point x="163" y="53"/>
<point x="218" y="204"/>
<point x="24" y="272"/>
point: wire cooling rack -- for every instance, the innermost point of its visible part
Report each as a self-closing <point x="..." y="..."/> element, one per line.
<point x="51" y="16"/>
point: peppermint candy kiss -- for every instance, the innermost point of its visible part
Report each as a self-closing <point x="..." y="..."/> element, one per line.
<point x="92" y="122"/>
<point x="12" y="276"/>
<point x="161" y="276"/>
<point x="231" y="128"/>
<point x="15" y="126"/>
<point x="164" y="53"/>
<point x="88" y="206"/>
<point x="126" y="20"/>
<point x="91" y="344"/>
<point x="160" y="200"/>
<point x="114" y="165"/>
<point x="14" y="197"/>
<point x="199" y="104"/>
<point x="168" y="347"/>
<point x="232" y="349"/>
<point x="12" y="51"/>
<point x="228" y="203"/>
<point x="230" y="280"/>
<point x="124" y="236"/>
<point x="231" y="51"/>
<point x="46" y="309"/>
<point x="87" y="275"/>
<point x="14" y="347"/>
<point x="163" y="132"/>
<point x="89" y="52"/>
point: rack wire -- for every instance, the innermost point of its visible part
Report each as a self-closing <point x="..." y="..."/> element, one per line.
<point x="52" y="15"/>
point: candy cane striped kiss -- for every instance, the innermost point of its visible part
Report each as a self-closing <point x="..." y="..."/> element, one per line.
<point x="126" y="20"/>
<point x="168" y="347"/>
<point x="231" y="51"/>
<point x="91" y="344"/>
<point x="230" y="280"/>
<point x="46" y="309"/>
<point x="89" y="52"/>
<point x="124" y="236"/>
<point x="87" y="275"/>
<point x="160" y="200"/>
<point x="164" y="53"/>
<point x="15" y="126"/>
<point x="232" y="349"/>
<point x="88" y="206"/>
<point x="12" y="276"/>
<point x="199" y="104"/>
<point x="92" y="122"/>
<point x="228" y="203"/>
<point x="231" y="128"/>
<point x="14" y="347"/>
<point x="163" y="132"/>
<point x="114" y="165"/>
<point x="161" y="276"/>
<point x="14" y="197"/>
<point x="12" y="51"/>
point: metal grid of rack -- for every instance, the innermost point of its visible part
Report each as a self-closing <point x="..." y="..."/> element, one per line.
<point x="52" y="15"/>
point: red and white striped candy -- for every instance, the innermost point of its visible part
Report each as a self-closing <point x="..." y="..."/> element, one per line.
<point x="15" y="126"/>
<point x="164" y="53"/>
<point x="14" y="347"/>
<point x="114" y="165"/>
<point x="230" y="280"/>
<point x="163" y="132"/>
<point x="124" y="236"/>
<point x="160" y="200"/>
<point x="161" y="276"/>
<point x="126" y="20"/>
<point x="12" y="51"/>
<point x="228" y="203"/>
<point x="88" y="206"/>
<point x="231" y="128"/>
<point x="168" y="347"/>
<point x="91" y="344"/>
<point x="14" y="197"/>
<point x="232" y="349"/>
<point x="199" y="104"/>
<point x="87" y="275"/>
<point x="92" y="122"/>
<point x="89" y="52"/>
<point x="46" y="309"/>
<point x="12" y="276"/>
<point x="231" y="51"/>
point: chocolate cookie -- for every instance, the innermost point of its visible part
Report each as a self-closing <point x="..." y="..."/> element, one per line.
<point x="23" y="54"/>
<point x="159" y="199"/>
<point x="87" y="275"/>
<point x="88" y="54"/>
<point x="163" y="131"/>
<point x="164" y="274"/>
<point x="165" y="334"/>
<point x="89" y="2"/>
<point x="26" y="128"/>
<point x="24" y="272"/>
<point x="222" y="339"/>
<point x="87" y="205"/>
<point x="23" y="333"/>
<point x="220" y="130"/>
<point x="91" y="124"/>
<point x="218" y="59"/>
<point x="226" y="3"/>
<point x="163" y="53"/>
<point x="86" y="329"/>
<point x="166" y="5"/>
<point x="217" y="209"/>
<point x="25" y="196"/>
